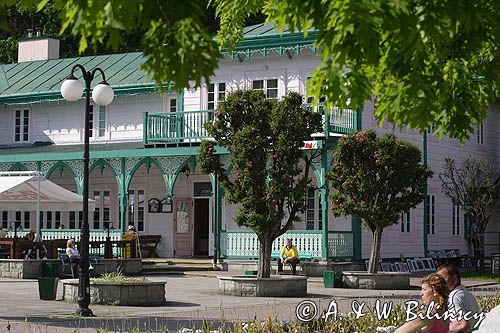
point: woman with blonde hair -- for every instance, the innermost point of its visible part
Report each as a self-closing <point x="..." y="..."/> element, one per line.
<point x="434" y="291"/>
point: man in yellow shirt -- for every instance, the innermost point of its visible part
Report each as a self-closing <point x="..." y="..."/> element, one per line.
<point x="288" y="255"/>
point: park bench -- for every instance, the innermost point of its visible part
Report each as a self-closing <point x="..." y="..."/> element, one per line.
<point x="71" y="269"/>
<point x="305" y="257"/>
<point x="148" y="245"/>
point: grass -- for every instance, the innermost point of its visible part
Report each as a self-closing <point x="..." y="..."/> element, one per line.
<point x="473" y="275"/>
<point x="118" y="277"/>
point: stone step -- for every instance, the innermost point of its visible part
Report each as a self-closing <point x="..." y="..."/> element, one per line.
<point x="164" y="268"/>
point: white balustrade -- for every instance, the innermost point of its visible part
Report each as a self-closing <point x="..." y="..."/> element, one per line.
<point x="95" y="235"/>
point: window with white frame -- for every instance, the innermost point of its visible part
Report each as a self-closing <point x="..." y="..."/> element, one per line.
<point x="405" y="222"/>
<point x="480" y="133"/>
<point x="50" y="219"/>
<point x="101" y="121"/>
<point x="431" y="214"/>
<point x="269" y="86"/>
<point x="75" y="219"/>
<point x="172" y="103"/>
<point x="135" y="208"/>
<point x="24" y="219"/>
<point x="216" y="92"/>
<point x="4" y="216"/>
<point x="102" y="200"/>
<point x="314" y="217"/>
<point x="455" y="220"/>
<point x="21" y="125"/>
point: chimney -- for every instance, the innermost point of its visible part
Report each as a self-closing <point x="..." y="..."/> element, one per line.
<point x="38" y="47"/>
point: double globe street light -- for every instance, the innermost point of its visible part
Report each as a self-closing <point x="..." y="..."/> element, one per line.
<point x="102" y="94"/>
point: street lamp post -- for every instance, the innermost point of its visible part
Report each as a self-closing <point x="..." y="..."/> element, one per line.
<point x="102" y="94"/>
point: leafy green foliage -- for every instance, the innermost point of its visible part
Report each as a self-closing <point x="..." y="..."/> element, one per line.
<point x="427" y="62"/>
<point x="175" y="40"/>
<point x="376" y="178"/>
<point x="264" y="139"/>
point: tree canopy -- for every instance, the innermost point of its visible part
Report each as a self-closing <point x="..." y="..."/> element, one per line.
<point x="426" y="62"/>
<point x="376" y="179"/>
<point x="265" y="140"/>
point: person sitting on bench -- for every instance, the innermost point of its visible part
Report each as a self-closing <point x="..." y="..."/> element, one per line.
<point x="288" y="255"/>
<point x="73" y="256"/>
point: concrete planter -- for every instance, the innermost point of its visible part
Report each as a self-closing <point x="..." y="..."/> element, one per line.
<point x="275" y="286"/>
<point x="129" y="293"/>
<point x="382" y="280"/>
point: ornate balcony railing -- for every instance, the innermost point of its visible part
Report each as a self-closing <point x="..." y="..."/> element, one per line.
<point x="188" y="126"/>
<point x="244" y="243"/>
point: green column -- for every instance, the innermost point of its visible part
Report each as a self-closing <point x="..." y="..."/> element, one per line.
<point x="218" y="215"/>
<point x="324" y="203"/>
<point x="426" y="201"/>
<point x="356" y="232"/>
<point x="123" y="197"/>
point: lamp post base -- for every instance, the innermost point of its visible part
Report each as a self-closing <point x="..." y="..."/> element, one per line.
<point x="84" y="312"/>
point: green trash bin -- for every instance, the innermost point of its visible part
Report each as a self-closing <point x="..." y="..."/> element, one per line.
<point x="47" y="287"/>
<point x="332" y="279"/>
<point x="50" y="268"/>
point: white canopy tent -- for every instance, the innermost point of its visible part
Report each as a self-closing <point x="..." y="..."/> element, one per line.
<point x="30" y="191"/>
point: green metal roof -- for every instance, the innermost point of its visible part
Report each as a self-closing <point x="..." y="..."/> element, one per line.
<point x="36" y="81"/>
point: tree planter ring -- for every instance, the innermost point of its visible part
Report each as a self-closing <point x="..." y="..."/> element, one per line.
<point x="275" y="286"/>
<point x="146" y="293"/>
<point x="381" y="280"/>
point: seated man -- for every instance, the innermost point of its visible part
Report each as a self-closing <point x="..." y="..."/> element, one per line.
<point x="288" y="255"/>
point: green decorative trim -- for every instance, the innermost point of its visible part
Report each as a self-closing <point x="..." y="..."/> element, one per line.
<point x="426" y="201"/>
<point x="44" y="96"/>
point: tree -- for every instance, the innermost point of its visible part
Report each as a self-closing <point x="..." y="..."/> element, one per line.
<point x="376" y="179"/>
<point x="265" y="140"/>
<point x="473" y="185"/>
<point x="426" y="62"/>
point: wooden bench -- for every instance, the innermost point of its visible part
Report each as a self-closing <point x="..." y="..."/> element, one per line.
<point x="148" y="245"/>
<point x="94" y="260"/>
<point x="304" y="257"/>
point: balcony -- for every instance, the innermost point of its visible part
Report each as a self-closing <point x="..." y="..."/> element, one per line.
<point x="187" y="127"/>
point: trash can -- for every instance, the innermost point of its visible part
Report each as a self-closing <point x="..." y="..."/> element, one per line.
<point x="332" y="279"/>
<point x="50" y="268"/>
<point x="47" y="287"/>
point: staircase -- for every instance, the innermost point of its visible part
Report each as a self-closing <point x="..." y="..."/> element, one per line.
<point x="175" y="266"/>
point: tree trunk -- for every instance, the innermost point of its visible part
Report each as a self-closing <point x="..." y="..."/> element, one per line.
<point x="265" y="257"/>
<point x="375" y="252"/>
<point x="480" y="251"/>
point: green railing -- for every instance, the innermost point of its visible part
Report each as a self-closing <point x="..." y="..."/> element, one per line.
<point x="244" y="243"/>
<point x="188" y="126"/>
<point x="176" y="127"/>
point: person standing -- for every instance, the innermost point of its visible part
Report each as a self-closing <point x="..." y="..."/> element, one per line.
<point x="288" y="255"/>
<point x="460" y="299"/>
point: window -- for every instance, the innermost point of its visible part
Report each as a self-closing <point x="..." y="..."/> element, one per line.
<point x="216" y="92"/>
<point x="269" y="86"/>
<point x="480" y="133"/>
<point x="455" y="220"/>
<point x="102" y="206"/>
<point x="135" y="209"/>
<point x="50" y="220"/>
<point x="431" y="214"/>
<point x="5" y="219"/>
<point x="91" y="121"/>
<point x="405" y="222"/>
<point x="102" y="121"/>
<point x="173" y="104"/>
<point x="22" y="126"/>
<point x="313" y="210"/>
<point x="24" y="219"/>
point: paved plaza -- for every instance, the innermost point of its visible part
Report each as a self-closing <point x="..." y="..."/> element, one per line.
<point x="191" y="298"/>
